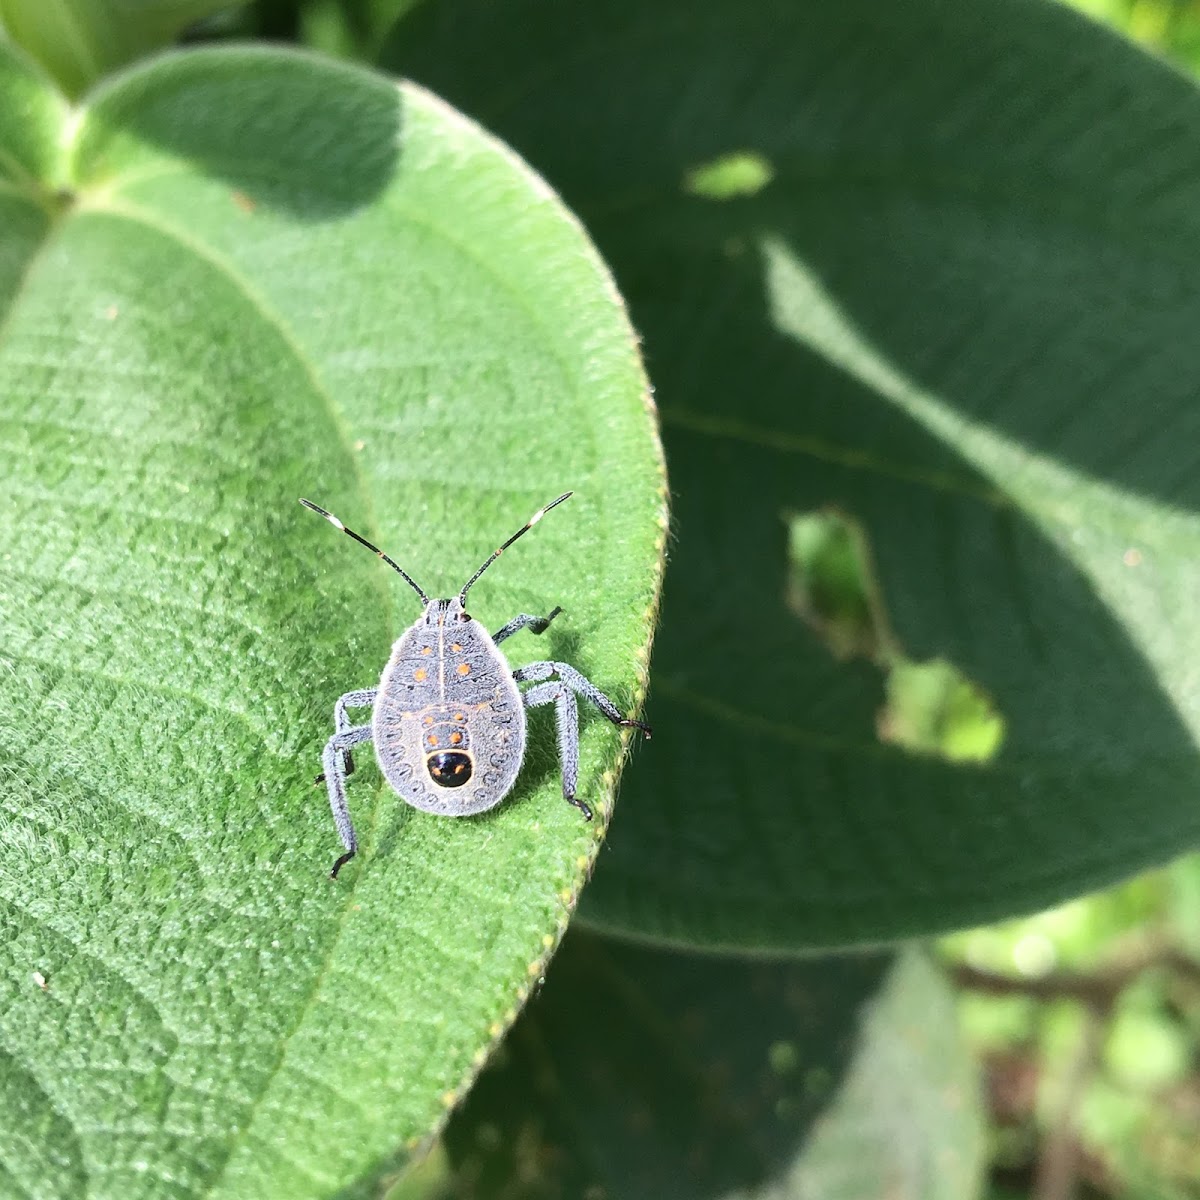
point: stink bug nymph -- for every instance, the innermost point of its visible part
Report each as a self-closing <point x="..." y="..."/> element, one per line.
<point x="448" y="720"/>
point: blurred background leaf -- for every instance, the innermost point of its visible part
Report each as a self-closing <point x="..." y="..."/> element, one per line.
<point x="80" y="41"/>
<point x="1086" y="1019"/>
<point x="641" y="1074"/>
<point x="1169" y="27"/>
<point x="927" y="266"/>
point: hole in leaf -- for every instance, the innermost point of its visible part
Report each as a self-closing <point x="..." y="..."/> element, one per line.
<point x="931" y="707"/>
<point x="742" y="173"/>
<point x="829" y="581"/>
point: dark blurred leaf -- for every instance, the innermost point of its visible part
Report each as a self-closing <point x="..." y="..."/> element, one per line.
<point x="645" y="1074"/>
<point x="955" y="302"/>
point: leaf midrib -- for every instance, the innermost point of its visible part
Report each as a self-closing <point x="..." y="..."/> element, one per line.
<point x="1009" y="765"/>
<point x="774" y="438"/>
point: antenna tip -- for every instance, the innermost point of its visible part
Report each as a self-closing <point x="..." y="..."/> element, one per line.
<point x="541" y="512"/>
<point x="322" y="513"/>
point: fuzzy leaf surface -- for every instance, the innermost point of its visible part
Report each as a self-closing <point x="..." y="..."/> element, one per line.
<point x="271" y="276"/>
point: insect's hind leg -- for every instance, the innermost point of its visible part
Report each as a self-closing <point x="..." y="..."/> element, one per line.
<point x="526" y="621"/>
<point x="566" y="717"/>
<point x="582" y="686"/>
<point x="334" y="761"/>
<point x="363" y="698"/>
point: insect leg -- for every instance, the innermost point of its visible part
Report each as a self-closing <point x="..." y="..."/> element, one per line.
<point x="363" y="698"/>
<point x="566" y="717"/>
<point x="335" y="782"/>
<point x="582" y="686"/>
<point x="526" y="621"/>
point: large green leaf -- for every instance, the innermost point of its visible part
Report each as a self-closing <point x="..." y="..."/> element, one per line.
<point x="277" y="277"/>
<point x="640" y="1074"/>
<point x="927" y="266"/>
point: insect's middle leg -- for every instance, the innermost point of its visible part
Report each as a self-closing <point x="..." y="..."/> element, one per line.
<point x="334" y="761"/>
<point x="526" y="621"/>
<point x="363" y="698"/>
<point x="581" y="686"/>
<point x="566" y="718"/>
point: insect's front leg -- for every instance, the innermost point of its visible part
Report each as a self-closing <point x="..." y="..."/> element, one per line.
<point x="582" y="686"/>
<point x="334" y="761"/>
<point x="526" y="621"/>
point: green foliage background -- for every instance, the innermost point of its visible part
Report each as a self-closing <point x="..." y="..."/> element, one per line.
<point x="913" y="285"/>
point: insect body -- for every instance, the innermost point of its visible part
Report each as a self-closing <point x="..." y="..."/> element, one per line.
<point x="448" y="716"/>
<point x="448" y="719"/>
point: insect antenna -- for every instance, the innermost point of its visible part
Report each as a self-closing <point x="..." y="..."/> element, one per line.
<point x="362" y="541"/>
<point x="537" y="516"/>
